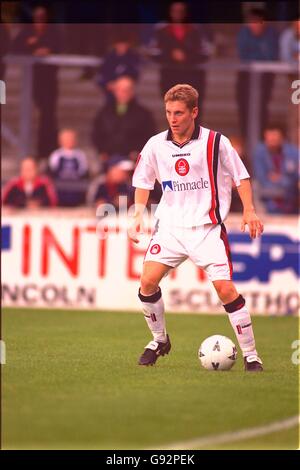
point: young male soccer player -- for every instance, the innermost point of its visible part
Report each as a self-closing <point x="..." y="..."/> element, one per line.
<point x="195" y="167"/>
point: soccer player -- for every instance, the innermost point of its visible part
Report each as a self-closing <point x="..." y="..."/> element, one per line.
<point x="195" y="167"/>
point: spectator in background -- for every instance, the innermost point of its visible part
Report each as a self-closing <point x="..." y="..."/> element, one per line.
<point x="289" y="43"/>
<point x="4" y="46"/>
<point x="276" y="170"/>
<point x="41" y="40"/>
<point x="181" y="49"/>
<point x="289" y="47"/>
<point x="89" y="39"/>
<point x="85" y="38"/>
<point x="121" y="60"/>
<point x="256" y="42"/>
<point x="29" y="190"/>
<point x="122" y="125"/>
<point x="69" y="168"/>
<point x="106" y="189"/>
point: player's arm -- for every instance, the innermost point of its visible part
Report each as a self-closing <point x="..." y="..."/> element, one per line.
<point x="237" y="170"/>
<point x="143" y="180"/>
<point x="249" y="215"/>
<point x="141" y="197"/>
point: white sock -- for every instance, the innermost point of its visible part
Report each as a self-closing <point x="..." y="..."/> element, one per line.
<point x="154" y="313"/>
<point x="241" y="323"/>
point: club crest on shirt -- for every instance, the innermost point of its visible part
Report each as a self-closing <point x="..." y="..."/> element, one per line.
<point x="182" y="167"/>
<point x="155" y="249"/>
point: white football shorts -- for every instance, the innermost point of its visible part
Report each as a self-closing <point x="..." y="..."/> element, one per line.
<point x="206" y="245"/>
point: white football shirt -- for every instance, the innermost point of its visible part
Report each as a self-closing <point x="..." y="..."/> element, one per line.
<point x="195" y="176"/>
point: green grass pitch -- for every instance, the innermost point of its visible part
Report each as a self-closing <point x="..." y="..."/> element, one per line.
<point x="71" y="381"/>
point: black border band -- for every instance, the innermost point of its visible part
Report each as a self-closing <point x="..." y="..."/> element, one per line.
<point x="235" y="305"/>
<point x="150" y="298"/>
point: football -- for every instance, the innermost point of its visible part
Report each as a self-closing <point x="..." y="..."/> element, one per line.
<point x="217" y="352"/>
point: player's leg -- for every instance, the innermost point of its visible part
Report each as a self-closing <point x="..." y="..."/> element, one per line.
<point x="151" y="298"/>
<point x="154" y="311"/>
<point x="240" y="320"/>
<point x="164" y="252"/>
<point x="212" y="253"/>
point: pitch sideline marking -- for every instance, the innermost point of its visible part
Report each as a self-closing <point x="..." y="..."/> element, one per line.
<point x="233" y="436"/>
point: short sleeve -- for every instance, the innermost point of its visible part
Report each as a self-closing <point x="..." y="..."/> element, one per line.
<point x="144" y="174"/>
<point x="232" y="162"/>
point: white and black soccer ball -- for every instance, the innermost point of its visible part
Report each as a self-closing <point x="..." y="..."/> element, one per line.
<point x="217" y="352"/>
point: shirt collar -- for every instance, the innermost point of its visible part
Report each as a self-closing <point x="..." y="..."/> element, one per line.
<point x="195" y="136"/>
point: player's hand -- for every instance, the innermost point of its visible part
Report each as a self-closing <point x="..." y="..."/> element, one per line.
<point x="255" y="225"/>
<point x="136" y="227"/>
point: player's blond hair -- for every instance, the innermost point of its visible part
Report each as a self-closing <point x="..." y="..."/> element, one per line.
<point x="183" y="92"/>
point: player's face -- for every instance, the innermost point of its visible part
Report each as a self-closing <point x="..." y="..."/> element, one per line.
<point x="180" y="117"/>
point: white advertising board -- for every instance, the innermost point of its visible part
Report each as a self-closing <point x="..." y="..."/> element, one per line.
<point x="58" y="261"/>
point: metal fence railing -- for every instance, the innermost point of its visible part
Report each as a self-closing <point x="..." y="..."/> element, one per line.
<point x="23" y="140"/>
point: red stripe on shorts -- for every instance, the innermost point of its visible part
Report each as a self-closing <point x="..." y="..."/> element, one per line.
<point x="224" y="238"/>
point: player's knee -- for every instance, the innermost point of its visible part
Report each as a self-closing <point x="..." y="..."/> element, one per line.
<point x="149" y="285"/>
<point x="226" y="292"/>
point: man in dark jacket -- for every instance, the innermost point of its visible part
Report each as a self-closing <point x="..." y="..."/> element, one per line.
<point x="122" y="126"/>
<point x="4" y="46"/>
<point x="256" y="41"/>
<point x="181" y="45"/>
<point x="122" y="59"/>
<point x="275" y="163"/>
<point x="42" y="39"/>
